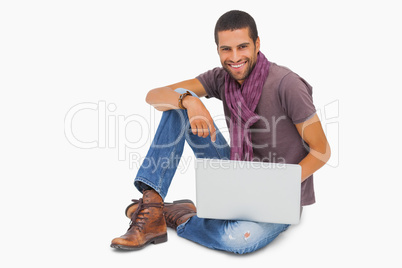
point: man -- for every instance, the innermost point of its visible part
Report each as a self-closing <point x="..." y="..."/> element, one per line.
<point x="271" y="117"/>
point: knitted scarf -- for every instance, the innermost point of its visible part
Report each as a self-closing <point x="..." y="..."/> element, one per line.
<point x="242" y="101"/>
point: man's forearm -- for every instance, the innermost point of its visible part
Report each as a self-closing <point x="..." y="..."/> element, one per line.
<point x="314" y="161"/>
<point x="312" y="133"/>
<point x="163" y="98"/>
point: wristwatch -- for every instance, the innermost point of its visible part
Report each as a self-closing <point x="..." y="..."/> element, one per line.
<point x="181" y="99"/>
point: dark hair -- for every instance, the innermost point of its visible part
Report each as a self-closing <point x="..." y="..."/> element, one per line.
<point x="234" y="20"/>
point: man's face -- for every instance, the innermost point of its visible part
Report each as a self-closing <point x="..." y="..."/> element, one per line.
<point x="237" y="53"/>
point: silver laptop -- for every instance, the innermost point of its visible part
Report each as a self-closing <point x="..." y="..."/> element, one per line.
<point x="243" y="190"/>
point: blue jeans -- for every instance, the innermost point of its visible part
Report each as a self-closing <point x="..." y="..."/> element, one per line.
<point x="157" y="172"/>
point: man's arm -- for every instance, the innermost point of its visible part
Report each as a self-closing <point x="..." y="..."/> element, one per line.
<point x="320" y="152"/>
<point x="165" y="98"/>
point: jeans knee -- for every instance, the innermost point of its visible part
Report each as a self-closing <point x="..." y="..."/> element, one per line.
<point x="177" y="114"/>
<point x="240" y="242"/>
<point x="248" y="237"/>
<point x="183" y="90"/>
<point x="175" y="120"/>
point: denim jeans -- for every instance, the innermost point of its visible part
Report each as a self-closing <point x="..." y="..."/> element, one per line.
<point x="157" y="172"/>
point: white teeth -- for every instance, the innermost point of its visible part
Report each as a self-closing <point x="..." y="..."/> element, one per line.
<point x="237" y="66"/>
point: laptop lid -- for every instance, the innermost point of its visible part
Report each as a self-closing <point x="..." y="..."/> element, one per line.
<point x="244" y="190"/>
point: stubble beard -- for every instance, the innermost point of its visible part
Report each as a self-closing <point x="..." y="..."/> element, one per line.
<point x="250" y="66"/>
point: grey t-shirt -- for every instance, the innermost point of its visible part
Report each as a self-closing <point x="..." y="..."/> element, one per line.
<point x="286" y="100"/>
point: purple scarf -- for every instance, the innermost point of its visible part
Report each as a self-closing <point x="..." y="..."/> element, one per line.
<point x="242" y="101"/>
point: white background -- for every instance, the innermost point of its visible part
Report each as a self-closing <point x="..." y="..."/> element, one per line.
<point x="61" y="205"/>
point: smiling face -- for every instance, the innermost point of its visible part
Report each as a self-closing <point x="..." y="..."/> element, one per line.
<point x="238" y="53"/>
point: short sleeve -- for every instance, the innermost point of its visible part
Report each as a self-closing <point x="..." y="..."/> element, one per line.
<point x="213" y="82"/>
<point x="296" y="97"/>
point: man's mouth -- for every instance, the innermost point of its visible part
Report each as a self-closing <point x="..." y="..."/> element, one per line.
<point x="238" y="65"/>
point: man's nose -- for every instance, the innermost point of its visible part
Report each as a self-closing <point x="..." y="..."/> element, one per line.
<point x="235" y="55"/>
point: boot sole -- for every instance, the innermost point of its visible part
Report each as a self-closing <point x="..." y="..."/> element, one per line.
<point x="155" y="240"/>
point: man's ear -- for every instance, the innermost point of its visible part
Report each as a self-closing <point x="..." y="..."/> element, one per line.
<point x="257" y="44"/>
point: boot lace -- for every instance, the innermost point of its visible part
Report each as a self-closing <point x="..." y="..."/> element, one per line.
<point x="138" y="218"/>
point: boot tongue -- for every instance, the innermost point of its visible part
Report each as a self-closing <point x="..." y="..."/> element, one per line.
<point x="151" y="196"/>
<point x="150" y="199"/>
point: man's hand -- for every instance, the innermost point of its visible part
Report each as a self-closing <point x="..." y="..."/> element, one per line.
<point x="200" y="120"/>
<point x="165" y="98"/>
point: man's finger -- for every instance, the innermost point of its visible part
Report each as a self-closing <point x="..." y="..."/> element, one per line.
<point x="194" y="128"/>
<point x="212" y="131"/>
<point x="200" y="129"/>
<point x="205" y="130"/>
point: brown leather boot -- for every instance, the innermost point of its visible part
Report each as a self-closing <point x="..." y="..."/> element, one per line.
<point x="175" y="213"/>
<point x="179" y="212"/>
<point x="147" y="224"/>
